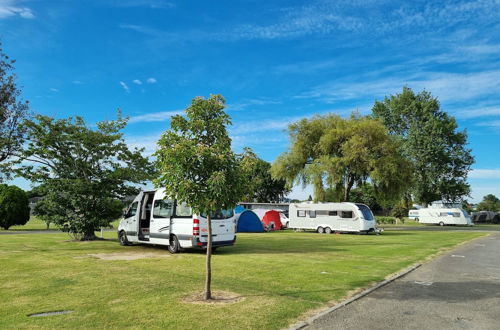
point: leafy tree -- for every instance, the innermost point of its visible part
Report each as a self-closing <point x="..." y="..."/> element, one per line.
<point x="198" y="167"/>
<point x="438" y="152"/>
<point x="83" y="172"/>
<point x="263" y="188"/>
<point x="335" y="154"/>
<point x="366" y="194"/>
<point x="400" y="211"/>
<point x="12" y="112"/>
<point x="489" y="203"/>
<point x="14" y="206"/>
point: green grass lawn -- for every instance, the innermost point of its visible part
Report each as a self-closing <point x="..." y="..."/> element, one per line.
<point x="36" y="224"/>
<point x="282" y="275"/>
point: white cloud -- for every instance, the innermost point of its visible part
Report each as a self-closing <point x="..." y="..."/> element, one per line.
<point x="9" y="8"/>
<point x="151" y="80"/>
<point x="148" y="142"/>
<point x="125" y="87"/>
<point x="478" y="111"/>
<point x="77" y="82"/>
<point x="154" y="4"/>
<point x="251" y="102"/>
<point x="137" y="82"/>
<point x="481" y="173"/>
<point x="55" y="90"/>
<point x="155" y="116"/>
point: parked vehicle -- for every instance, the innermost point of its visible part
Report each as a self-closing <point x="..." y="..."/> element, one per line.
<point x="154" y="219"/>
<point x="332" y="217"/>
<point x="444" y="216"/>
<point x="413" y="214"/>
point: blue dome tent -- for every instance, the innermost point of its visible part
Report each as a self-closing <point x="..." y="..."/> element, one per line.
<point x="249" y="222"/>
<point x="238" y="209"/>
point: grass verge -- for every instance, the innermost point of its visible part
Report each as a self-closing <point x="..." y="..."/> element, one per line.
<point x="281" y="275"/>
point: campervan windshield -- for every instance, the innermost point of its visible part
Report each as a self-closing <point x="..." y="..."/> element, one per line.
<point x="367" y="214"/>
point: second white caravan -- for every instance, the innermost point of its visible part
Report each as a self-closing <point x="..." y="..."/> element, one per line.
<point x="332" y="217"/>
<point x="154" y="219"/>
<point x="444" y="216"/>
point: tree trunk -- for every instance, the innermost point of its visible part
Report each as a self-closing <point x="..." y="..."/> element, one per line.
<point x="89" y="235"/>
<point x="347" y="190"/>
<point x="207" y="295"/>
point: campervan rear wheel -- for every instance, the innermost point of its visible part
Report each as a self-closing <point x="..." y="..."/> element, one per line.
<point x="321" y="230"/>
<point x="441" y="223"/>
<point x="122" y="237"/>
<point x="328" y="230"/>
<point x="173" y="246"/>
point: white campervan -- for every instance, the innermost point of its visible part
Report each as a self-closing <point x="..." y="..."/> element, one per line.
<point x="444" y="216"/>
<point x="332" y="217"/>
<point x="154" y="219"/>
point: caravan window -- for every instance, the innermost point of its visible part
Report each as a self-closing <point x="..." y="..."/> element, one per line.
<point x="365" y="210"/>
<point x="346" y="214"/>
<point x="162" y="208"/>
<point x="456" y="214"/>
<point x="321" y="213"/>
<point x="301" y="213"/>
<point x="312" y="214"/>
<point x="332" y="213"/>
<point x="444" y="214"/>
<point x="132" y="210"/>
<point x="183" y="210"/>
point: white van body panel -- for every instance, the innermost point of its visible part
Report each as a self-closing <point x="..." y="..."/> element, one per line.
<point x="340" y="217"/>
<point x="158" y="218"/>
<point x="446" y="216"/>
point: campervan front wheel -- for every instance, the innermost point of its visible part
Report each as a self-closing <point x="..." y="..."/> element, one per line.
<point x="122" y="237"/>
<point x="441" y="223"/>
<point x="173" y="246"/>
<point x="321" y="230"/>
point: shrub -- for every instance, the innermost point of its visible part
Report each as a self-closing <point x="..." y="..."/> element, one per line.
<point x="385" y="220"/>
<point x="14" y="206"/>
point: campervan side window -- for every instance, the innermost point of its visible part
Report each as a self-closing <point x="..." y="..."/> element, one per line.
<point x="332" y="213"/>
<point x="132" y="210"/>
<point x="220" y="214"/>
<point x="183" y="210"/>
<point x="162" y="209"/>
<point x="312" y="214"/>
<point x="443" y="214"/>
<point x="301" y="213"/>
<point x="321" y="213"/>
<point x="346" y="214"/>
<point x="456" y="214"/>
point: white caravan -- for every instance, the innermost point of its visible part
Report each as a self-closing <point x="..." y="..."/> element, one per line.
<point x="154" y="219"/>
<point x="444" y="216"/>
<point x="332" y="217"/>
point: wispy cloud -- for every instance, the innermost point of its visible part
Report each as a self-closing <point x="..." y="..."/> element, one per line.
<point x="446" y="86"/>
<point x="125" y="87"/>
<point x="148" y="142"/>
<point x="77" y="82"/>
<point x="478" y="111"/>
<point x="481" y="173"/>
<point x="155" y="116"/>
<point x="55" y="90"/>
<point x="252" y="102"/>
<point x="137" y="82"/>
<point x="9" y="8"/>
<point x="151" y="80"/>
<point x="160" y="4"/>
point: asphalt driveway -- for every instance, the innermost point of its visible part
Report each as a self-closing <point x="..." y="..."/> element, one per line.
<point x="457" y="290"/>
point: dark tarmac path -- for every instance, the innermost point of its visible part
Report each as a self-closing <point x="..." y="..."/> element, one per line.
<point x="458" y="290"/>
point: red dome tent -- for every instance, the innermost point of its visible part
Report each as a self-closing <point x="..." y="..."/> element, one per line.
<point x="270" y="219"/>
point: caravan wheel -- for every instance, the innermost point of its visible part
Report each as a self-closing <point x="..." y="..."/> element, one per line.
<point x="321" y="230"/>
<point x="441" y="223"/>
<point x="173" y="246"/>
<point x="328" y="230"/>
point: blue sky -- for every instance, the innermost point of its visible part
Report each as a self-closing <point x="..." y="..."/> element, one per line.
<point x="274" y="62"/>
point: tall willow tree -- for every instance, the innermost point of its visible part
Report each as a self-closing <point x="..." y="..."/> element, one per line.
<point x="335" y="154"/>
<point x="431" y="142"/>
